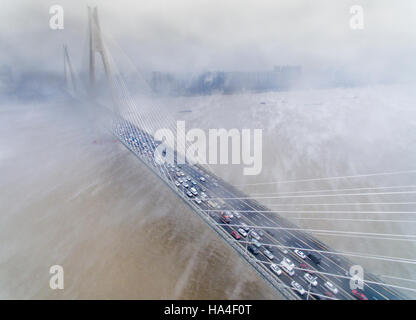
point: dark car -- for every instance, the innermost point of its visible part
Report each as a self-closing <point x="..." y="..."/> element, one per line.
<point x="225" y="217"/>
<point x="253" y="250"/>
<point x="314" y="258"/>
<point x="316" y="295"/>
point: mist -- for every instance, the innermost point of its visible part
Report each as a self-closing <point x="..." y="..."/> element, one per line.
<point x="195" y="36"/>
<point x="71" y="194"/>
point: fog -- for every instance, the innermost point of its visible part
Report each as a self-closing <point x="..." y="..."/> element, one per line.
<point x="188" y="35"/>
<point x="70" y="194"/>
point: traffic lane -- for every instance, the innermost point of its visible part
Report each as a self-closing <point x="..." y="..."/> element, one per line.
<point x="299" y="273"/>
<point x="373" y="289"/>
<point x="260" y="258"/>
<point x="334" y="264"/>
<point x="307" y="241"/>
<point x="292" y="242"/>
<point x="258" y="220"/>
<point x="263" y="259"/>
<point x="298" y="277"/>
<point x="292" y="255"/>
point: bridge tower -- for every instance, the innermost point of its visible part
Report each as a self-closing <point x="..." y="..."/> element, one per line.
<point x="96" y="45"/>
<point x="70" y="82"/>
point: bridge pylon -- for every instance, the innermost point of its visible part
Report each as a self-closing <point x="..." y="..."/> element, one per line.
<point x="96" y="45"/>
<point x="70" y="82"/>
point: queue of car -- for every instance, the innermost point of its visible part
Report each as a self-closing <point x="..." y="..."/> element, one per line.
<point x="286" y="264"/>
<point x="244" y="231"/>
<point x="146" y="147"/>
<point x="190" y="188"/>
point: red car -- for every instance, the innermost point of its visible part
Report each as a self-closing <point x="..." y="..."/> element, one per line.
<point x="328" y="294"/>
<point x="359" y="295"/>
<point x="306" y="267"/>
<point x="235" y="235"/>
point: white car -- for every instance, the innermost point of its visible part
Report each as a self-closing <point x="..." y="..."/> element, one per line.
<point x="284" y="251"/>
<point x="177" y="183"/>
<point x="189" y="194"/>
<point x="237" y="214"/>
<point x="193" y="190"/>
<point x="298" y="287"/>
<point x="198" y="201"/>
<point x="185" y="185"/>
<point x="288" y="266"/>
<point x="242" y="232"/>
<point x="255" y="235"/>
<point x="202" y="179"/>
<point x="256" y="243"/>
<point x="311" y="279"/>
<point x="275" y="268"/>
<point x="245" y="227"/>
<point x="299" y="253"/>
<point x="288" y="262"/>
<point x="331" y="287"/>
<point x="268" y="254"/>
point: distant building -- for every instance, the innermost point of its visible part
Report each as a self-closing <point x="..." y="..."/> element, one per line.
<point x="280" y="78"/>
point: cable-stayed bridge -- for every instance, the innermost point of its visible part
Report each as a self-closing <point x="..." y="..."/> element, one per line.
<point x="288" y="258"/>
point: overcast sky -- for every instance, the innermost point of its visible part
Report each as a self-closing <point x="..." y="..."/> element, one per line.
<point x="194" y="35"/>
